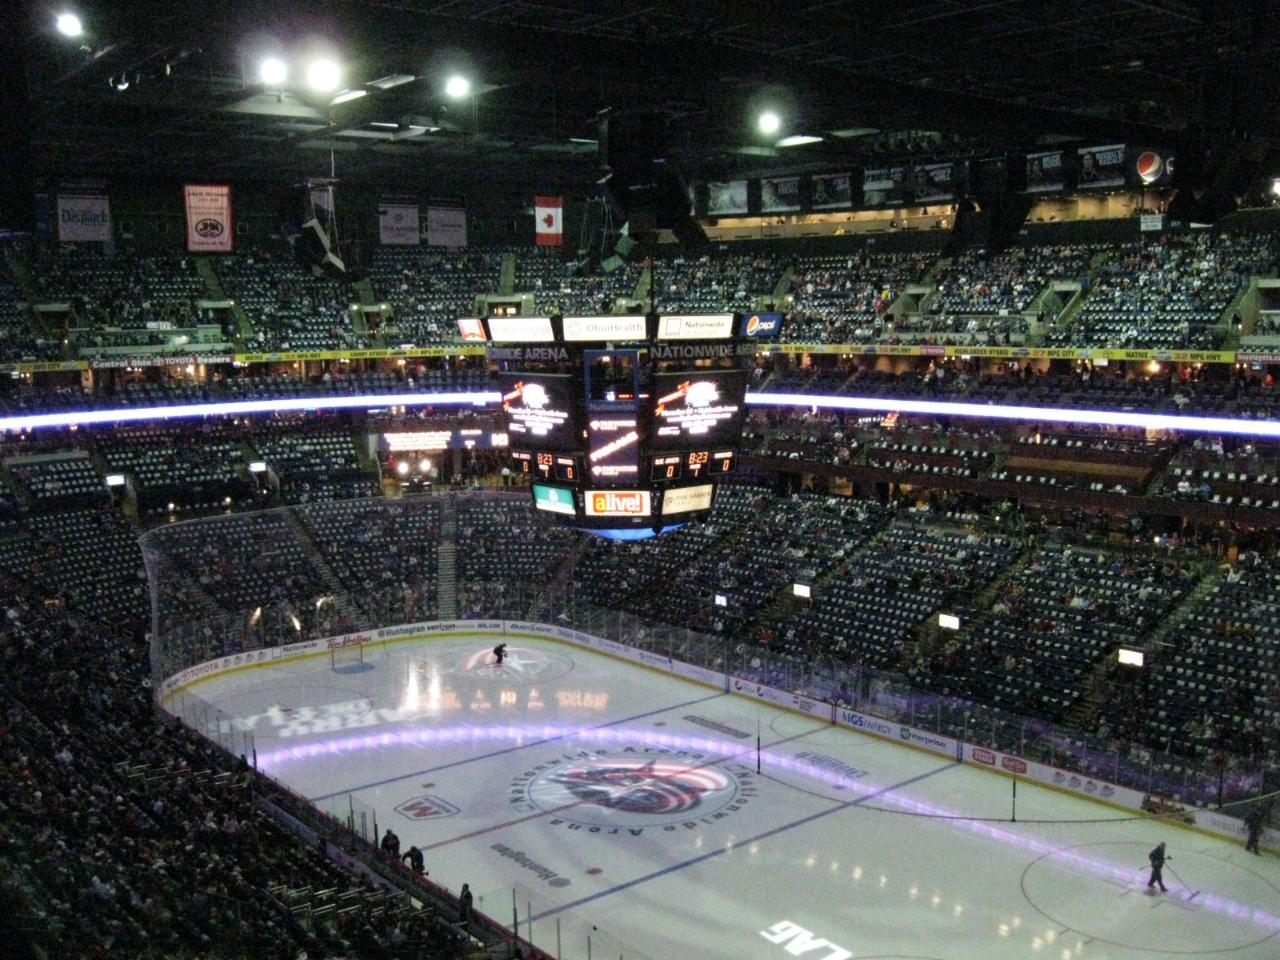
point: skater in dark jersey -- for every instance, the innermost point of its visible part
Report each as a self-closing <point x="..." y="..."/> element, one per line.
<point x="499" y="652"/>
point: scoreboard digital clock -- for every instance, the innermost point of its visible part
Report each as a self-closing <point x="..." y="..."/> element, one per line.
<point x="624" y="423"/>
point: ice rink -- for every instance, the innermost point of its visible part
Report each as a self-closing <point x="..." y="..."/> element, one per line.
<point x="625" y="804"/>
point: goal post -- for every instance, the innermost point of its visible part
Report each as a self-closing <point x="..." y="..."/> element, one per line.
<point x="346" y="652"/>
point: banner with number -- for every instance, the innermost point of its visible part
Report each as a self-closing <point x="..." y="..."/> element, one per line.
<point x="779" y="193"/>
<point x="832" y="191"/>
<point x="84" y="219"/>
<point x="1101" y="166"/>
<point x="208" y="210"/>
<point x="1045" y="172"/>
<point x="398" y="224"/>
<point x="446" y="226"/>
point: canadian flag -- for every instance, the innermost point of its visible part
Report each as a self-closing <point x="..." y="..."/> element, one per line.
<point x="549" y="219"/>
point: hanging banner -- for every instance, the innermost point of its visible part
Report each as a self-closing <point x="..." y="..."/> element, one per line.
<point x="548" y="219"/>
<point x="832" y="191"/>
<point x="208" y="209"/>
<point x="446" y="227"/>
<point x="322" y="202"/>
<point x="1045" y="172"/>
<point x="1102" y="166"/>
<point x="729" y="196"/>
<point x="398" y="224"/>
<point x="935" y="181"/>
<point x="779" y="193"/>
<point x="84" y="219"/>
<point x="883" y="186"/>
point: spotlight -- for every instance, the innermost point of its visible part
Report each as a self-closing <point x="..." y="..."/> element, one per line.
<point x="120" y="83"/>
<point x="273" y="72"/>
<point x="457" y="86"/>
<point x="769" y="122"/>
<point x="324" y="75"/>
<point x="402" y="468"/>
<point x="1275" y="187"/>
<point x="424" y="465"/>
<point x="69" y="25"/>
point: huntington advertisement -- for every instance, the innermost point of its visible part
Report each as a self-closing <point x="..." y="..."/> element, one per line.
<point x="208" y="210"/>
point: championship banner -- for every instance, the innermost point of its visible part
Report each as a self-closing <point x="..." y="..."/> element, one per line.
<point x="1101" y="166"/>
<point x="728" y="196"/>
<point x="548" y="219"/>
<point x="208" y="209"/>
<point x="398" y="224"/>
<point x="779" y="193"/>
<point x="84" y="219"/>
<point x="882" y="186"/>
<point x="1045" y="172"/>
<point x="832" y="191"/>
<point x="446" y="227"/>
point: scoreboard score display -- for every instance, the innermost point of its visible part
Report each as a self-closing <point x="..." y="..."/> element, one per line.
<point x="623" y="424"/>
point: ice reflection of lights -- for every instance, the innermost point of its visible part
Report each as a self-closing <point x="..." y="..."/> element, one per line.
<point x="413" y="736"/>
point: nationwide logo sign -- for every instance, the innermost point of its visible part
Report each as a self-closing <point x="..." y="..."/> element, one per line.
<point x="633" y="790"/>
<point x="711" y="326"/>
<point x="618" y="503"/>
<point x="429" y="807"/>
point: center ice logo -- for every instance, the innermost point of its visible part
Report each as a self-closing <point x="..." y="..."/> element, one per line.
<point x="632" y="790"/>
<point x="637" y="786"/>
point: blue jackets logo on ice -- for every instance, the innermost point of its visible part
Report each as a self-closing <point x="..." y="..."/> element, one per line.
<point x="633" y="789"/>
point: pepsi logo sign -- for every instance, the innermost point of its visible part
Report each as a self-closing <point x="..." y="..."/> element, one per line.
<point x="1150" y="166"/>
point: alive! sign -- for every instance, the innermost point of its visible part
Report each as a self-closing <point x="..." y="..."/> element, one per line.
<point x="208" y="209"/>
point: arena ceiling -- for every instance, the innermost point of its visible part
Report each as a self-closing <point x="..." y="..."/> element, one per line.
<point x="169" y="89"/>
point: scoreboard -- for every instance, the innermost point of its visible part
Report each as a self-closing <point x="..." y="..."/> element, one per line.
<point x="623" y="424"/>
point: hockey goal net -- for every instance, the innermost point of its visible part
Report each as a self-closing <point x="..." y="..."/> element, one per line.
<point x="345" y="652"/>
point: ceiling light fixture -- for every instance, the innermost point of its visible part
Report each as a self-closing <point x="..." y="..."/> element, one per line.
<point x="69" y="25"/>
<point x="273" y="72"/>
<point x="324" y="75"/>
<point x="457" y="86"/>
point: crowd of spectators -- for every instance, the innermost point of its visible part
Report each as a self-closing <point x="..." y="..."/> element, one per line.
<point x="844" y="298"/>
<point x="429" y="288"/>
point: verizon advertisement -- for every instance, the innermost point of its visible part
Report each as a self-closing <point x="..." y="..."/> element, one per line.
<point x="618" y="503"/>
<point x="398" y="224"/>
<point x="84" y="219"/>
<point x="208" y="209"/>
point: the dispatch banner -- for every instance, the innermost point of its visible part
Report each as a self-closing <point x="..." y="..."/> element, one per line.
<point x="83" y="219"/>
<point x="208" y="210"/>
<point x="1101" y="167"/>
<point x="832" y="191"/>
<point x="1045" y="172"/>
<point x="398" y="225"/>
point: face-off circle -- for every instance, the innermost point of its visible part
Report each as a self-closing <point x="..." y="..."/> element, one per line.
<point x="631" y="791"/>
<point x="520" y="666"/>
<point x="1098" y="891"/>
